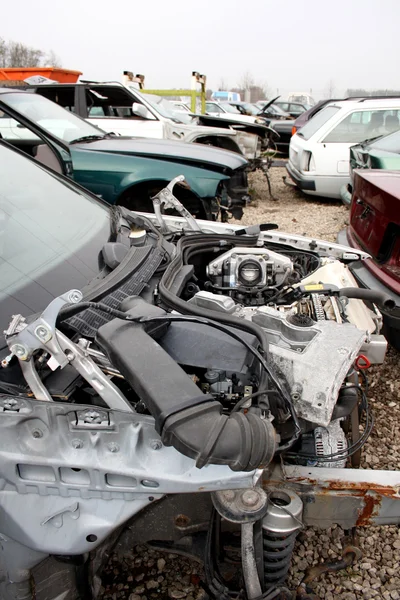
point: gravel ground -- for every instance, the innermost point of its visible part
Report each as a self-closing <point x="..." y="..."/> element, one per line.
<point x="146" y="574"/>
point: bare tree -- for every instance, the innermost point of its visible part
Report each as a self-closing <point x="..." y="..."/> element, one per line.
<point x="361" y="92"/>
<point x="330" y="89"/>
<point x="265" y="90"/>
<point x="253" y="90"/>
<point x="3" y="53"/>
<point x="222" y="86"/>
<point x="246" y="81"/>
<point x="16" y="54"/>
<point x="52" y="60"/>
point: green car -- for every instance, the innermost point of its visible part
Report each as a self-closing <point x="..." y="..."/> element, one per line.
<point x="382" y="152"/>
<point x="122" y="170"/>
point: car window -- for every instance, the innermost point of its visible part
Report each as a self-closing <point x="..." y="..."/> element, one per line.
<point x="164" y="108"/>
<point x="317" y="121"/>
<point x="64" y="96"/>
<point x="284" y="105"/>
<point x="108" y="101"/>
<point x="45" y="250"/>
<point x="97" y="111"/>
<point x="361" y="125"/>
<point x="212" y="108"/>
<point x="390" y="143"/>
<point x="50" y="116"/>
<point x="13" y="131"/>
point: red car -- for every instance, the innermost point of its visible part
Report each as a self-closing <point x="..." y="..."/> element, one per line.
<point x="375" y="228"/>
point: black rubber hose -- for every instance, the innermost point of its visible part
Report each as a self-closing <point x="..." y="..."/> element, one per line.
<point x="185" y="418"/>
<point x="244" y="442"/>
<point x="380" y="298"/>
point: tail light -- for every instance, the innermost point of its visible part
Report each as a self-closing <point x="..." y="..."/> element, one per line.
<point x="307" y="161"/>
<point x="294" y="129"/>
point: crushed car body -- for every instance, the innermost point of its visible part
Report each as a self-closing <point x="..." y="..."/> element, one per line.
<point x="158" y="365"/>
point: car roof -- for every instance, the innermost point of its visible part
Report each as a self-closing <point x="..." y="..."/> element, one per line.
<point x="23" y="86"/>
<point x="4" y="90"/>
<point x="367" y="101"/>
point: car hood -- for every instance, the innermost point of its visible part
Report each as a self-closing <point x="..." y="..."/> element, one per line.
<point x="217" y="122"/>
<point x="268" y="104"/>
<point x="167" y="150"/>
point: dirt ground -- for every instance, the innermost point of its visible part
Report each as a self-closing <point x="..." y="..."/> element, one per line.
<point x="293" y="211"/>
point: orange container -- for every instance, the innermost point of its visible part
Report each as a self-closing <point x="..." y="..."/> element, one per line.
<point x="60" y="75"/>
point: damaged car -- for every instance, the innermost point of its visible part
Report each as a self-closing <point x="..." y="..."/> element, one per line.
<point x="157" y="366"/>
<point x="375" y="227"/>
<point x="123" y="170"/>
<point x="124" y="110"/>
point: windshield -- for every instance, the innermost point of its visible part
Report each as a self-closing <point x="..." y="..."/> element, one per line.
<point x="314" y="124"/>
<point x="163" y="107"/>
<point x="229" y="108"/>
<point x="45" y="250"/>
<point x="166" y="109"/>
<point x="51" y="117"/>
<point x="251" y="108"/>
<point x="276" y="110"/>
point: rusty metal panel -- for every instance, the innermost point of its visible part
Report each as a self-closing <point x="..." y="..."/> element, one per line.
<point x="348" y="497"/>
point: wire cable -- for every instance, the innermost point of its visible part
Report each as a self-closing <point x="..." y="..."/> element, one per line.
<point x="350" y="450"/>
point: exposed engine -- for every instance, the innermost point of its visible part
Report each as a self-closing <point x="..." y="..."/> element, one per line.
<point x="230" y="350"/>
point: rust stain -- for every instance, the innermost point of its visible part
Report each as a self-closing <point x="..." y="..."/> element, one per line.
<point x="363" y="487"/>
<point x="182" y="521"/>
<point x="371" y="503"/>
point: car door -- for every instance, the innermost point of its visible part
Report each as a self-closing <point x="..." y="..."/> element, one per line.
<point x="24" y="137"/>
<point x="111" y="109"/>
<point x="357" y="126"/>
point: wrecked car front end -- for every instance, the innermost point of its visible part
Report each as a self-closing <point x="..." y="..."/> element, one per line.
<point x="202" y="388"/>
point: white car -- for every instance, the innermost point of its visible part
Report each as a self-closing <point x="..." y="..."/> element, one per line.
<point x="124" y="110"/>
<point x="180" y="106"/>
<point x="319" y="151"/>
<point x="227" y="111"/>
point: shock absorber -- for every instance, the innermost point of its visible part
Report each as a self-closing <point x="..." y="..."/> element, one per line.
<point x="280" y="527"/>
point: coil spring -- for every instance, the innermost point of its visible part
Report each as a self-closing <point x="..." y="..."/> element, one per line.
<point x="277" y="552"/>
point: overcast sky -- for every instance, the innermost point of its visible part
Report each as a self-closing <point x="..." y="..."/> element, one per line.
<point x="288" y="44"/>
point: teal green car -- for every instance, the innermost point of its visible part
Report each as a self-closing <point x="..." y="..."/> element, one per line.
<point x="122" y="170"/>
<point x="382" y="152"/>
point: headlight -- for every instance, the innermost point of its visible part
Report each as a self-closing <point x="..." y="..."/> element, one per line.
<point x="250" y="144"/>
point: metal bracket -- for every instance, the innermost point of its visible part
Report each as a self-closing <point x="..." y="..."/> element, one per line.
<point x="23" y="339"/>
<point x="92" y="419"/>
<point x="166" y="197"/>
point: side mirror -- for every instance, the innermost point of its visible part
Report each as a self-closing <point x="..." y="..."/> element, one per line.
<point x="140" y="111"/>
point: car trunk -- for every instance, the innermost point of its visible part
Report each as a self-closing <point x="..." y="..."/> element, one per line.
<point x="375" y="222"/>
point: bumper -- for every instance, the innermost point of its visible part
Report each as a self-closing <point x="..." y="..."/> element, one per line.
<point x="303" y="183"/>
<point x="345" y="194"/>
<point x="318" y="185"/>
<point x="366" y="279"/>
